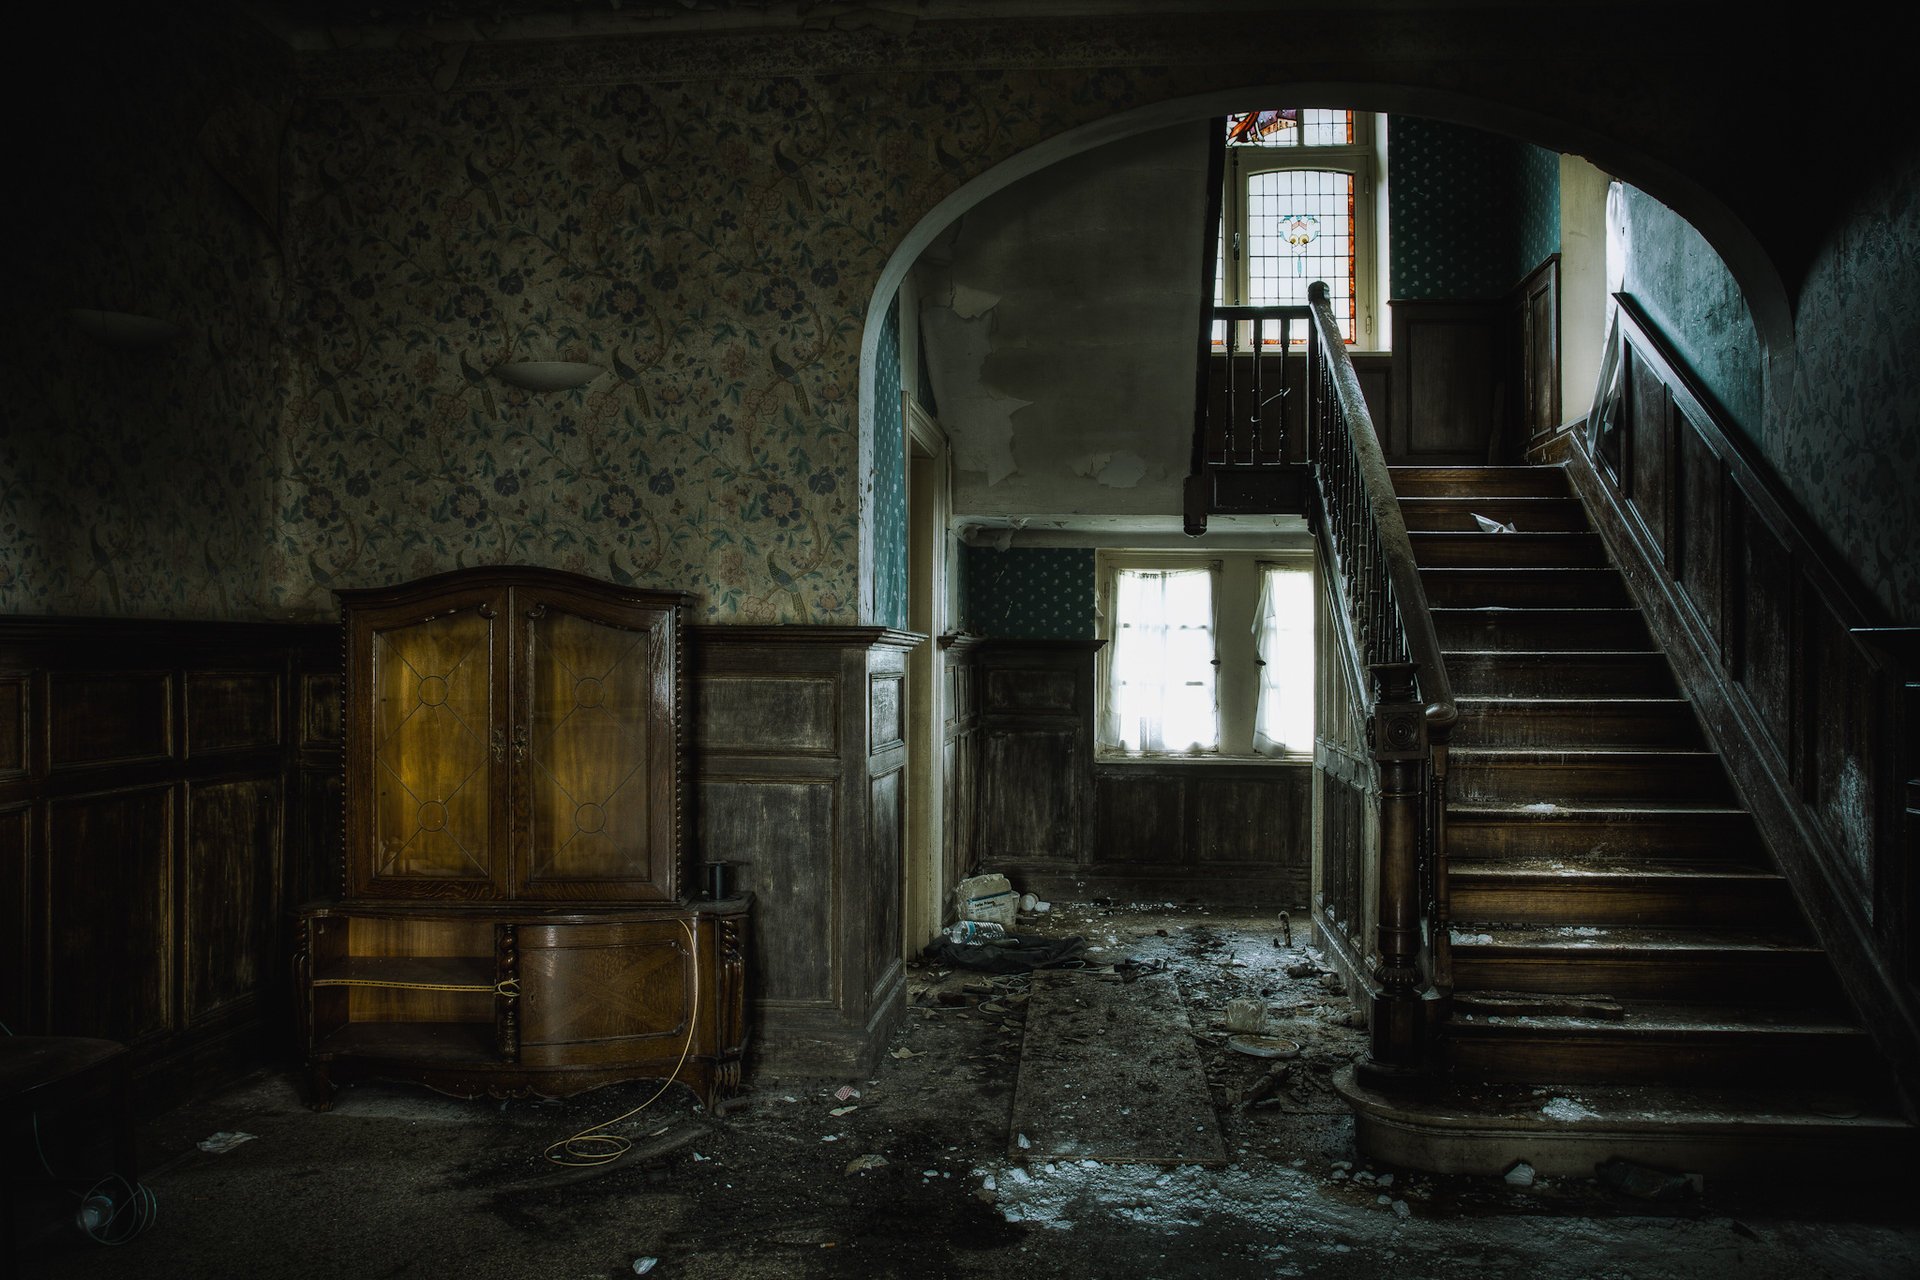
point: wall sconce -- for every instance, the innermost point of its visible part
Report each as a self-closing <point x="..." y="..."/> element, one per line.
<point x="547" y="375"/>
<point x="123" y="328"/>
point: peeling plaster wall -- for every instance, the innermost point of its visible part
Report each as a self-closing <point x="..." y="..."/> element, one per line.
<point x="1061" y="320"/>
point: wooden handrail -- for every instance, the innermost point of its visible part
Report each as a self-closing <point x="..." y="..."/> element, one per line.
<point x="1415" y="617"/>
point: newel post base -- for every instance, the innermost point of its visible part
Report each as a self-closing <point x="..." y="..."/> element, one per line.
<point x="1398" y="1020"/>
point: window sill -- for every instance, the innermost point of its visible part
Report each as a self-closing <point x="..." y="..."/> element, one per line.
<point x="1203" y="762"/>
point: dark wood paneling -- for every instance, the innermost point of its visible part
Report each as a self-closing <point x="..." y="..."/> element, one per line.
<point x="794" y="783"/>
<point x="143" y="872"/>
<point x="1032" y="689"/>
<point x="779" y="831"/>
<point x="1763" y="593"/>
<point x="1264" y="821"/>
<point x="887" y="819"/>
<point x="1702" y="559"/>
<point x="1449" y="392"/>
<point x="1797" y="679"/>
<point x="320" y="707"/>
<point x="16" y="932"/>
<point x="1376" y="388"/>
<point x="1649" y="440"/>
<point x="110" y="944"/>
<point x="1536" y="309"/>
<point x="109" y="717"/>
<point x="796" y="714"/>
<point x="230" y="895"/>
<point x="231" y="711"/>
<point x="1030" y="795"/>
<point x="884" y="713"/>
<point x="14" y="692"/>
<point x="1138" y="818"/>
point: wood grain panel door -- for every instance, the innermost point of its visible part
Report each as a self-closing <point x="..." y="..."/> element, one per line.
<point x="428" y="752"/>
<point x="593" y="749"/>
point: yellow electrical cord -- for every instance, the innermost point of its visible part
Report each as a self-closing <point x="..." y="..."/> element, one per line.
<point x="590" y="1147"/>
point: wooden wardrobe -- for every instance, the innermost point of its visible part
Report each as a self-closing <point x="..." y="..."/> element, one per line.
<point x="517" y="916"/>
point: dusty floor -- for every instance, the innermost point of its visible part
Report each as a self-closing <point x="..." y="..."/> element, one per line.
<point x="398" y="1182"/>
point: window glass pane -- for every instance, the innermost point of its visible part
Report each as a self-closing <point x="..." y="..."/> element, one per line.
<point x="1284" y="637"/>
<point x="1162" y="697"/>
<point x="1300" y="228"/>
<point x="1326" y="128"/>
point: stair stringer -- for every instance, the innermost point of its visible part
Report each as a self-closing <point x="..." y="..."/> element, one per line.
<point x="1838" y="911"/>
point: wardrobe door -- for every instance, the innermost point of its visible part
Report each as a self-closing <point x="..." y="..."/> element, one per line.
<point x="427" y="752"/>
<point x="596" y="775"/>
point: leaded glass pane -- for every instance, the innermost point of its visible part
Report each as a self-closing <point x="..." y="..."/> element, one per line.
<point x="1300" y="228"/>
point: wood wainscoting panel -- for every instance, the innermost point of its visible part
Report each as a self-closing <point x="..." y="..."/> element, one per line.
<point x="886" y="724"/>
<point x="794" y="714"/>
<point x="1260" y="818"/>
<point x="110" y="943"/>
<point x="1702" y="524"/>
<point x="1449" y="393"/>
<point x="1650" y="476"/>
<point x="783" y="833"/>
<point x="1032" y="689"/>
<point x="231" y="711"/>
<point x="1030" y="796"/>
<point x="144" y="869"/>
<point x="230" y="894"/>
<point x="886" y="835"/>
<point x="1139" y="817"/>
<point x="799" y="778"/>
<point x="320" y="709"/>
<point x="16" y="931"/>
<point x="15" y="695"/>
<point x="100" y="718"/>
<point x="1763" y="590"/>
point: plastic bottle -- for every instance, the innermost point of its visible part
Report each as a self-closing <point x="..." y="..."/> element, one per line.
<point x="974" y="931"/>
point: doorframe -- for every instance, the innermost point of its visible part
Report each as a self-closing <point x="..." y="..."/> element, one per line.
<point x="924" y="887"/>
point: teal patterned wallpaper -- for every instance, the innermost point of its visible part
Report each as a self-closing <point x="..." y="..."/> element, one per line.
<point x="1029" y="593"/>
<point x="889" y="479"/>
<point x="1537" y="191"/>
<point x="1470" y="213"/>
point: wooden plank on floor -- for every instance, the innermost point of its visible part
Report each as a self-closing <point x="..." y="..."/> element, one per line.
<point x="1108" y="1072"/>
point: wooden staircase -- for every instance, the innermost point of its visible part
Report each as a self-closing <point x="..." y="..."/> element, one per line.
<point x="1630" y="975"/>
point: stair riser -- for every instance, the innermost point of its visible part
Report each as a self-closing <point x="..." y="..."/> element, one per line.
<point x="1731" y="1059"/>
<point x="1531" y="675"/>
<point x="1529" y="515"/>
<point x="1524" y="588"/>
<point x="1480" y="482"/>
<point x="1704" y="903"/>
<point x="1581" y="725"/>
<point x="1748" y="977"/>
<point x="1716" y="837"/>
<point x="1553" y="629"/>
<point x="1663" y="778"/>
<point x="1507" y="551"/>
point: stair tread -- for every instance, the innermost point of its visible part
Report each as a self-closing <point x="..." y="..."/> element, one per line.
<point x="1653" y="1017"/>
<point x="1600" y="871"/>
<point x="1632" y="938"/>
<point x="1546" y="811"/>
<point x="1597" y="1108"/>
<point x="1582" y="754"/>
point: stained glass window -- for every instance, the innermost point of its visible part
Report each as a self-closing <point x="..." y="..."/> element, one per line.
<point x="1296" y="210"/>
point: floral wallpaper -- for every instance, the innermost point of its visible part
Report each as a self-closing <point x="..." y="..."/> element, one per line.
<point x="352" y="241"/>
<point x="138" y="480"/>
<point x="712" y="247"/>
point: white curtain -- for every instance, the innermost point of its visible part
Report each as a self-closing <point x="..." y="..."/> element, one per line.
<point x="1162" y="698"/>
<point x="1283" y="640"/>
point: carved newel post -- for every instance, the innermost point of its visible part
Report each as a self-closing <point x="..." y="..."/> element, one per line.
<point x="1399" y="744"/>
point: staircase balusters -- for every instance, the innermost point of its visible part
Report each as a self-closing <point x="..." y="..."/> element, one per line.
<point x="1412" y="709"/>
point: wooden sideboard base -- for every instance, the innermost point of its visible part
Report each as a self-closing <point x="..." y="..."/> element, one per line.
<point x="507" y="1003"/>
